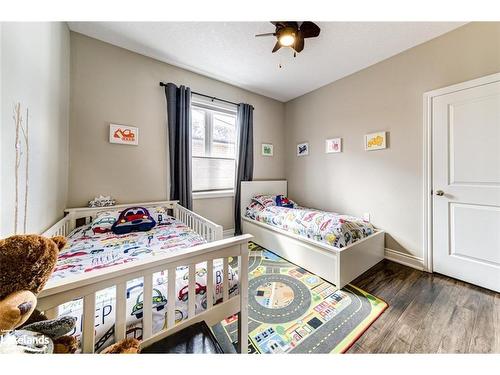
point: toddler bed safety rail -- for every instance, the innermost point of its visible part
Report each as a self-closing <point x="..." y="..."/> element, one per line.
<point x="87" y="285"/>
<point x="206" y="228"/>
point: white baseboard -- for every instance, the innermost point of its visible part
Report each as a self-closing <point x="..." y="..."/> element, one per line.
<point x="405" y="259"/>
<point x="226" y="233"/>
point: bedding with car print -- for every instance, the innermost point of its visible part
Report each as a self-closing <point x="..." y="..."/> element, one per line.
<point x="89" y="250"/>
<point x="326" y="227"/>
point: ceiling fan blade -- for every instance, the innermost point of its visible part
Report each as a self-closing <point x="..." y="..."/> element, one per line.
<point x="266" y="34"/>
<point x="281" y="24"/>
<point x="299" y="43"/>
<point x="309" y="29"/>
<point x="277" y="46"/>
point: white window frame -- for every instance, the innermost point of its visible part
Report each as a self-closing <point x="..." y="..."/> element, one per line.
<point x="207" y="105"/>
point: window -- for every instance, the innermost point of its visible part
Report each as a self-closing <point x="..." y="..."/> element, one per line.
<point x="213" y="147"/>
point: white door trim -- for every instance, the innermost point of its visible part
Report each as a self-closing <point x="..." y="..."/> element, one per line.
<point x="427" y="156"/>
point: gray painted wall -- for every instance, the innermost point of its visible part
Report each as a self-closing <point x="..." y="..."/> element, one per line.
<point x="386" y="96"/>
<point x="35" y="72"/>
<point x="111" y="84"/>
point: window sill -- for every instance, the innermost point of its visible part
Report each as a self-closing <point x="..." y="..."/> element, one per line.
<point x="213" y="194"/>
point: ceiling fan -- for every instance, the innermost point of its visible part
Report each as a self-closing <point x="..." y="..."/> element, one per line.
<point x="292" y="34"/>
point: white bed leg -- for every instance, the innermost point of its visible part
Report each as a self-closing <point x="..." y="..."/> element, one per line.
<point x="338" y="274"/>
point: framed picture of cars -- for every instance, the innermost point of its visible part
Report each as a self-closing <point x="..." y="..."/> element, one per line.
<point x="123" y="134"/>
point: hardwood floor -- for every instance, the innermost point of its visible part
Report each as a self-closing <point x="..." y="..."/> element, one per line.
<point x="428" y="313"/>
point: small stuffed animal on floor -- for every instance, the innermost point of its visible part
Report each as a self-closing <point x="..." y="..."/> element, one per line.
<point x="26" y="263"/>
<point x="127" y="346"/>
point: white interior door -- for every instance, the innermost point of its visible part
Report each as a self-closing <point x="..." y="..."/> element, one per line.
<point x="466" y="185"/>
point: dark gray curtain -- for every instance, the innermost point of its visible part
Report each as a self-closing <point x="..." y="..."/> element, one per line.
<point x="244" y="166"/>
<point x="179" y="142"/>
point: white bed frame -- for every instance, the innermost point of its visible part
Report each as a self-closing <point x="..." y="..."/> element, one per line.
<point x="337" y="265"/>
<point x="86" y="285"/>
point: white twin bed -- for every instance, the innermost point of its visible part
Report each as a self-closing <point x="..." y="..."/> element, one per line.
<point x="101" y="278"/>
<point x="338" y="261"/>
<point x="190" y="273"/>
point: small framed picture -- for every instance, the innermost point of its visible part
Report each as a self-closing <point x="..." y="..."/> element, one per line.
<point x="267" y="149"/>
<point x="123" y="134"/>
<point x="375" y="141"/>
<point x="303" y="149"/>
<point x="333" y="145"/>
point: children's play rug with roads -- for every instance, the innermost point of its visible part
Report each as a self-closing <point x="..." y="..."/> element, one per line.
<point x="294" y="311"/>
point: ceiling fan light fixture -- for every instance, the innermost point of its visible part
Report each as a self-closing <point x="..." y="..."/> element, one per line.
<point x="287" y="37"/>
<point x="292" y="34"/>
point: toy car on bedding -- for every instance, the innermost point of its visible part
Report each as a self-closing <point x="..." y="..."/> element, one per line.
<point x="133" y="219"/>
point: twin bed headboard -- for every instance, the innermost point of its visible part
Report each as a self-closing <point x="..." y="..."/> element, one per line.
<point x="84" y="215"/>
<point x="251" y="188"/>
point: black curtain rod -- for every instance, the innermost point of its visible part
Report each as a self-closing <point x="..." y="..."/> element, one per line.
<point x="206" y="96"/>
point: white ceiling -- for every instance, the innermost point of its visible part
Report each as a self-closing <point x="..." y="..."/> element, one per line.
<point x="228" y="51"/>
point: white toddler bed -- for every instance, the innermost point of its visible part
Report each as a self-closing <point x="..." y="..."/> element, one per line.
<point x="184" y="259"/>
<point x="338" y="265"/>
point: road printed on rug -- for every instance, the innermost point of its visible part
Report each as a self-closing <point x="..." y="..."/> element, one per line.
<point x="294" y="311"/>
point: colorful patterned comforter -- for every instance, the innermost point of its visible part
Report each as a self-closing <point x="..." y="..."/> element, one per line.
<point x="327" y="227"/>
<point x="86" y="252"/>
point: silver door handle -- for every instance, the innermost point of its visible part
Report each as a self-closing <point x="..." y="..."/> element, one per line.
<point x="439" y="193"/>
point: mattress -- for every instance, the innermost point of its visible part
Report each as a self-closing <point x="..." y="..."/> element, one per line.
<point x="326" y="227"/>
<point x="86" y="252"/>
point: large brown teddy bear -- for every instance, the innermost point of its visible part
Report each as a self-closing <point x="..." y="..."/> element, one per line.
<point x="26" y="263"/>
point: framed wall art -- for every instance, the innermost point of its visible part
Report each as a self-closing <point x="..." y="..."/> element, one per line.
<point x="333" y="145"/>
<point x="123" y="134"/>
<point x="303" y="149"/>
<point x="375" y="141"/>
<point x="267" y="149"/>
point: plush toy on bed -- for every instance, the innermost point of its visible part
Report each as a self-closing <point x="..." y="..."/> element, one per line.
<point x="26" y="263"/>
<point x="282" y="201"/>
<point x="133" y="219"/>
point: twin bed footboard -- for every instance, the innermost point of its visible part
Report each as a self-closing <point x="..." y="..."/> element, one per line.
<point x="86" y="286"/>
